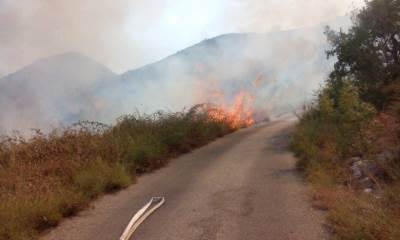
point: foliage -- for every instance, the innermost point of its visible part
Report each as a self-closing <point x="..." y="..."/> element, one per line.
<point x="359" y="216"/>
<point x="329" y="127"/>
<point x="370" y="51"/>
<point x="356" y="113"/>
<point x="48" y="177"/>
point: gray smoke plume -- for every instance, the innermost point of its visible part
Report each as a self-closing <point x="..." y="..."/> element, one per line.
<point x="125" y="34"/>
<point x="280" y="70"/>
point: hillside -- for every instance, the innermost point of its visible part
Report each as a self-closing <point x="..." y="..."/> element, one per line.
<point x="51" y="91"/>
<point x="278" y="70"/>
<point x="270" y="73"/>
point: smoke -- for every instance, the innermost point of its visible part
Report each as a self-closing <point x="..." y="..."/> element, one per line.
<point x="279" y="71"/>
<point x="271" y="15"/>
<point x="124" y="34"/>
<point x="31" y="29"/>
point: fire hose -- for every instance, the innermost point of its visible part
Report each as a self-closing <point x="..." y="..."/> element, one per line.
<point x="141" y="215"/>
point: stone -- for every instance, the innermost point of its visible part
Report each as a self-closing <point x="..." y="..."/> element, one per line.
<point x="366" y="183"/>
<point x="356" y="171"/>
<point x="362" y="168"/>
<point x="368" y="190"/>
<point x="354" y="160"/>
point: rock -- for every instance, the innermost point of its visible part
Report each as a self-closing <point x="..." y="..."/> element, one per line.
<point x="361" y="168"/>
<point x="365" y="168"/>
<point x="366" y="183"/>
<point x="368" y="190"/>
<point x="370" y="168"/>
<point x="356" y="171"/>
<point x="354" y="160"/>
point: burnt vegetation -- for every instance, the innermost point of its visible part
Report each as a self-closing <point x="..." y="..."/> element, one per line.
<point x="348" y="139"/>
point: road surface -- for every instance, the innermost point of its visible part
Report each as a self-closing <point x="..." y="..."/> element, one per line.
<point x="243" y="186"/>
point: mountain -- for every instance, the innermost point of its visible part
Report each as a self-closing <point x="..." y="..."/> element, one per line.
<point x="52" y="91"/>
<point x="276" y="73"/>
<point x="278" y="70"/>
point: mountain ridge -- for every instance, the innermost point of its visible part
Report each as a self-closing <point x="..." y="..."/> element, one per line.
<point x="68" y="87"/>
<point x="51" y="91"/>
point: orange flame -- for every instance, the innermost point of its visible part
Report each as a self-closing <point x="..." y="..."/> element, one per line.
<point x="239" y="111"/>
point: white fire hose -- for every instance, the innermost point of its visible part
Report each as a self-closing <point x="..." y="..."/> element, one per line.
<point x="141" y="215"/>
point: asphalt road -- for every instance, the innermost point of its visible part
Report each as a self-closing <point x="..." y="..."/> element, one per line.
<point x="243" y="186"/>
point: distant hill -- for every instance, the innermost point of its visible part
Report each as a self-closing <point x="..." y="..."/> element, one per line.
<point x="279" y="70"/>
<point x="287" y="66"/>
<point x="51" y="91"/>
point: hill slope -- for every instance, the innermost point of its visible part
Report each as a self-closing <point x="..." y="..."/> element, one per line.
<point x="277" y="70"/>
<point x="51" y="91"/>
<point x="273" y="73"/>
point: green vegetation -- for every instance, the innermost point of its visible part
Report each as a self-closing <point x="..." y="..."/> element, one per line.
<point x="48" y="177"/>
<point x="356" y="116"/>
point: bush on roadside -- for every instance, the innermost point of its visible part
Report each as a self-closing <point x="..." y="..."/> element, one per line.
<point x="329" y="133"/>
<point x="356" y="114"/>
<point x="332" y="129"/>
<point x="48" y="177"/>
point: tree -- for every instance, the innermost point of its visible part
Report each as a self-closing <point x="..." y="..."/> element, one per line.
<point x="369" y="53"/>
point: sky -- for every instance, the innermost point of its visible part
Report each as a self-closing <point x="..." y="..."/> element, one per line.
<point x="127" y="34"/>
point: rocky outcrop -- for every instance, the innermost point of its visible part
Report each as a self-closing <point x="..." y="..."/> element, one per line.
<point x="366" y="173"/>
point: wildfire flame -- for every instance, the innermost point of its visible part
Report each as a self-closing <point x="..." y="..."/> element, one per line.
<point x="238" y="112"/>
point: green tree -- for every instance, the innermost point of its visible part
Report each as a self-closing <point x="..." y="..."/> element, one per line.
<point x="369" y="53"/>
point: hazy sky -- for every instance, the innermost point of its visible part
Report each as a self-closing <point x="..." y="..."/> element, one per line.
<point x="125" y="34"/>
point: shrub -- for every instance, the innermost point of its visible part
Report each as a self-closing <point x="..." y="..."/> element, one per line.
<point x="48" y="177"/>
<point x="333" y="129"/>
<point x="341" y="123"/>
<point x="363" y="217"/>
<point x="100" y="177"/>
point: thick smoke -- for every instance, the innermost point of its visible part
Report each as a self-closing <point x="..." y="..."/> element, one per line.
<point x="271" y="15"/>
<point x="123" y="34"/>
<point x="32" y="29"/>
<point x="287" y="66"/>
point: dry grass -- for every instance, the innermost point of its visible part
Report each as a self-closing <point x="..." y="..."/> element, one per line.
<point x="352" y="214"/>
<point x="49" y="177"/>
<point x="362" y="216"/>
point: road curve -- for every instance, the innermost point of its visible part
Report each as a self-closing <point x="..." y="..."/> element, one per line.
<point x="243" y="186"/>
